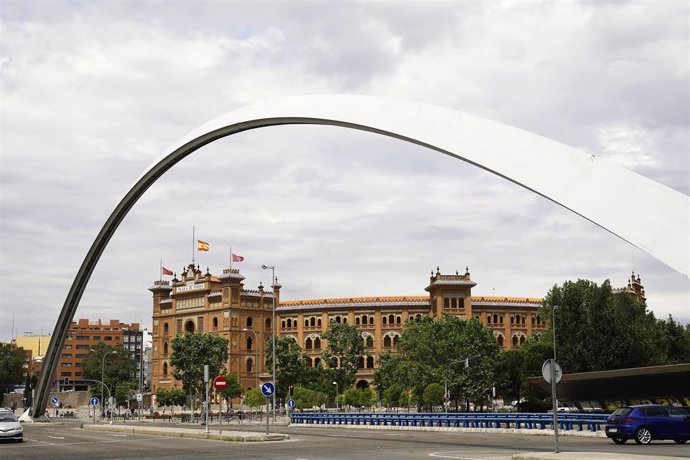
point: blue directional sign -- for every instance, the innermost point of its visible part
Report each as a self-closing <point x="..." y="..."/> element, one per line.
<point x="94" y="401"/>
<point x="267" y="389"/>
<point x="291" y="403"/>
<point x="55" y="401"/>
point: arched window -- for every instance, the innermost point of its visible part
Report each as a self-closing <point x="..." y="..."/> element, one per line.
<point x="488" y="319"/>
<point x="398" y="319"/>
<point x="306" y="322"/>
<point x="461" y="303"/>
<point x="165" y="368"/>
<point x="512" y="319"/>
<point x="522" y="339"/>
<point x="356" y="320"/>
<point x="317" y="362"/>
<point x="419" y="317"/>
<point x="387" y="341"/>
<point x="337" y="319"/>
<point x="189" y="326"/>
<point x="282" y="324"/>
<point x="365" y="319"/>
<point x="499" y="339"/>
<point x="344" y="319"/>
<point x="515" y="341"/>
<point x="165" y="348"/>
<point x="385" y="320"/>
<point x="524" y="319"/>
<point x="268" y="323"/>
<point x="250" y="321"/>
<point x="371" y="320"/>
<point x="500" y="319"/>
<point x="289" y="322"/>
<point x="369" y="343"/>
<point x="312" y="321"/>
<point x="391" y="319"/>
<point x="370" y="362"/>
<point x="446" y="302"/>
<point x="215" y="323"/>
<point x="250" y="365"/>
<point x="165" y="328"/>
<point x="318" y="322"/>
<point x="249" y="343"/>
<point x="495" y="318"/>
<point x="395" y="340"/>
<point x="453" y="303"/>
<point x="360" y="362"/>
<point x="317" y="343"/>
<point x="308" y="343"/>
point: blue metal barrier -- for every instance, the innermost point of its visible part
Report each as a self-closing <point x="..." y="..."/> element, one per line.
<point x="566" y="421"/>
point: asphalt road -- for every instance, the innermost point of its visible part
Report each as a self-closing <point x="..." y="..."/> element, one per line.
<point x="68" y="441"/>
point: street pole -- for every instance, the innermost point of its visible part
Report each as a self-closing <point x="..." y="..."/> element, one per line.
<point x="102" y="380"/>
<point x="553" y="382"/>
<point x="141" y="371"/>
<point x="256" y="354"/>
<point x="336" y="395"/>
<point x="206" y="400"/>
<point x="273" y="333"/>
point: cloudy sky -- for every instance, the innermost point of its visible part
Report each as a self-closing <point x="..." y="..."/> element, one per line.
<point x="93" y="92"/>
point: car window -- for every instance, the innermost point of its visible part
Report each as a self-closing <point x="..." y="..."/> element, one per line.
<point x="623" y="411"/>
<point x="655" y="411"/>
<point x="5" y="417"/>
<point x="674" y="412"/>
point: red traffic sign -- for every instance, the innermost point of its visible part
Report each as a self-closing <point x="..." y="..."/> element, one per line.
<point x="220" y="383"/>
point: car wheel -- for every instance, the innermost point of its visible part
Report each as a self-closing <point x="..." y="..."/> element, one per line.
<point x="643" y="436"/>
<point x="619" y="440"/>
<point x="680" y="441"/>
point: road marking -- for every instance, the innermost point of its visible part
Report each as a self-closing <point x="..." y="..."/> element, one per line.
<point x="484" y="455"/>
<point x="56" y="437"/>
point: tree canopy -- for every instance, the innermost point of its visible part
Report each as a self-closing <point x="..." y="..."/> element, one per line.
<point x="345" y="347"/>
<point x="118" y="369"/>
<point x="290" y="363"/>
<point x="11" y="365"/>
<point x="190" y="352"/>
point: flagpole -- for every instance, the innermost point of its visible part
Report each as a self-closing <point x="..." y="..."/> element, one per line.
<point x="231" y="257"/>
<point x="160" y="272"/>
<point x="192" y="244"/>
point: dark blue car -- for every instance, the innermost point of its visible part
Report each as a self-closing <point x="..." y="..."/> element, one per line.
<point x="648" y="422"/>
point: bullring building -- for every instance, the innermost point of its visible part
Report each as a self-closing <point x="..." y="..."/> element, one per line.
<point x="221" y="305"/>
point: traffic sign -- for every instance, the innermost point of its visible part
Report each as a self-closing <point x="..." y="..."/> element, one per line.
<point x="291" y="403"/>
<point x="55" y="401"/>
<point x="140" y="397"/>
<point x="546" y="370"/>
<point x="94" y="401"/>
<point x="220" y="383"/>
<point x="267" y="389"/>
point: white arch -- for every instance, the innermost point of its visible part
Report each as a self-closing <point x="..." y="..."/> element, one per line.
<point x="608" y="195"/>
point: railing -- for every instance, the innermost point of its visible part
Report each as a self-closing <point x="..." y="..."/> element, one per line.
<point x="566" y="421"/>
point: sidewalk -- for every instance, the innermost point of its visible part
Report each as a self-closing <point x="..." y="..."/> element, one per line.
<point x="191" y="432"/>
<point x="587" y="455"/>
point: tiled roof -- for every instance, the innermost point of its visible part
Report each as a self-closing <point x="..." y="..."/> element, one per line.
<point x="354" y="302"/>
<point x="489" y="301"/>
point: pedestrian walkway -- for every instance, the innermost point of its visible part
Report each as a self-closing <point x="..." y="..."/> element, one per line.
<point x="190" y="432"/>
<point x="587" y="455"/>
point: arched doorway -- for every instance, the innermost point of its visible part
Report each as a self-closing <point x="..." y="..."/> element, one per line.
<point x="362" y="384"/>
<point x="189" y="326"/>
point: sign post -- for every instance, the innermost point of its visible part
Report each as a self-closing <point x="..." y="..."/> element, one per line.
<point x="267" y="389"/>
<point x="206" y="400"/>
<point x="220" y="384"/>
<point x="552" y="373"/>
<point x="94" y="403"/>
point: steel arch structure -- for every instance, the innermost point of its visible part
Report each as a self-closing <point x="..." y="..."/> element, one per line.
<point x="603" y="193"/>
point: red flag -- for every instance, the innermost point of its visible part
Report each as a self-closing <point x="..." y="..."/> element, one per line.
<point x="202" y="245"/>
<point x="167" y="272"/>
<point x="236" y="258"/>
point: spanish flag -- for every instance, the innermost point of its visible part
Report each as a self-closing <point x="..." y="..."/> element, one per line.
<point x="202" y="245"/>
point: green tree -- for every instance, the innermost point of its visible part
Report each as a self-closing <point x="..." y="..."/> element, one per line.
<point x="510" y="378"/>
<point x="190" y="352"/>
<point x="345" y="347"/>
<point x="118" y="368"/>
<point x="597" y="329"/>
<point x="125" y="392"/>
<point x="677" y="341"/>
<point x="232" y="390"/>
<point x="254" y="398"/>
<point x="307" y="399"/>
<point x="290" y="363"/>
<point x="433" y="395"/>
<point x="359" y="397"/>
<point x="11" y="366"/>
<point x="393" y="395"/>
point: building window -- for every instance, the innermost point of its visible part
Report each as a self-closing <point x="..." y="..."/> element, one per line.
<point x="165" y="348"/>
<point x="308" y="344"/>
<point x="387" y="341"/>
<point x="453" y="303"/>
<point x="165" y="369"/>
<point x="370" y="362"/>
<point x="250" y="365"/>
<point x="250" y="321"/>
<point x="446" y="302"/>
<point x="165" y="328"/>
<point x="97" y="337"/>
<point x="282" y="324"/>
<point x="268" y="323"/>
<point x="317" y="343"/>
<point x="215" y="323"/>
<point x="249" y="343"/>
<point x="189" y="326"/>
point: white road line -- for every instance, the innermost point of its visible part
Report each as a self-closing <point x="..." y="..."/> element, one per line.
<point x="56" y="437"/>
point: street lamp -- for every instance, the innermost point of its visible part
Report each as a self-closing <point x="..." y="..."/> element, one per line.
<point x="273" y="331"/>
<point x="336" y="395"/>
<point x="102" y="374"/>
<point x="256" y="371"/>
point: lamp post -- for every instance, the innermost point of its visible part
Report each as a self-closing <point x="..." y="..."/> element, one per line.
<point x="102" y="380"/>
<point x="336" y="395"/>
<point x="553" y="382"/>
<point x="273" y="332"/>
<point x="256" y="353"/>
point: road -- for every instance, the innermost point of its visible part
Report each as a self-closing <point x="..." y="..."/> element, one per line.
<point x="68" y="441"/>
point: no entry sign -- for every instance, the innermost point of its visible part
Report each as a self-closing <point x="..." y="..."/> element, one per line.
<point x="220" y="383"/>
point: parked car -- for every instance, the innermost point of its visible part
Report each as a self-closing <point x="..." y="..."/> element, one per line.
<point x="648" y="422"/>
<point x="10" y="428"/>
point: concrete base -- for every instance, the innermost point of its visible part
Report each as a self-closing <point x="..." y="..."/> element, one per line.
<point x="27" y="418"/>
<point x="237" y="436"/>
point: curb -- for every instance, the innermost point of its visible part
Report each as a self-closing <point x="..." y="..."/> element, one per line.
<point x="234" y="436"/>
